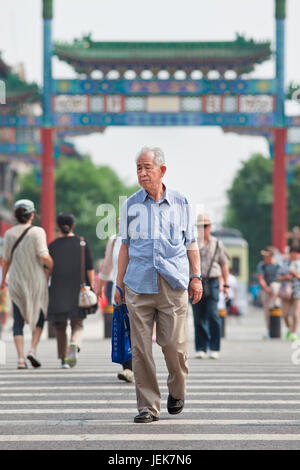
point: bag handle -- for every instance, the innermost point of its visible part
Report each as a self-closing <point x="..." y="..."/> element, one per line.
<point x="82" y="257"/>
<point x="120" y="290"/>
<point x="18" y="241"/>
<point x="213" y="259"/>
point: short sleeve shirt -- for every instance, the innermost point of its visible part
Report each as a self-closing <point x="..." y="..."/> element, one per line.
<point x="285" y="269"/>
<point x="157" y="235"/>
<point x="206" y="255"/>
<point x="269" y="271"/>
<point x="36" y="233"/>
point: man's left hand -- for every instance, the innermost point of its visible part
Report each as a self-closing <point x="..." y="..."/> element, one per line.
<point x="196" y="290"/>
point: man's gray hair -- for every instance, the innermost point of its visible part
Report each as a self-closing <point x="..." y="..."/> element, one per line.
<point x="159" y="157"/>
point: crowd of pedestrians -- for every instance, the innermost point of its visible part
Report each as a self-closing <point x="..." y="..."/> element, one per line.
<point x="155" y="272"/>
<point x="31" y="264"/>
<point x="279" y="279"/>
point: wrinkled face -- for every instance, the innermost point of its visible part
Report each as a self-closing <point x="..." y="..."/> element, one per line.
<point x="204" y="230"/>
<point x="149" y="175"/>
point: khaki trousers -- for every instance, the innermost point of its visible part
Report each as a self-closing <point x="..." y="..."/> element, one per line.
<point x="270" y="300"/>
<point x="169" y="309"/>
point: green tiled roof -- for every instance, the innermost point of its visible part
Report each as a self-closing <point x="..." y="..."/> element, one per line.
<point x="17" y="88"/>
<point x="85" y="50"/>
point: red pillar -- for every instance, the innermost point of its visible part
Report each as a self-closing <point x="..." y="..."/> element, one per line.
<point x="4" y="225"/>
<point x="48" y="185"/>
<point x="279" y="210"/>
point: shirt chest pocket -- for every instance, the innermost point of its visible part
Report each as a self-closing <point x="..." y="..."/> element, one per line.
<point x="138" y="226"/>
<point x="176" y="233"/>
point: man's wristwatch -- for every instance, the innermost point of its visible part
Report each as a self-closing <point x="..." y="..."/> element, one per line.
<point x="198" y="276"/>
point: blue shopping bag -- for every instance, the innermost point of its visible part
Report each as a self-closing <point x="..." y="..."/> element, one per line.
<point x="120" y="338"/>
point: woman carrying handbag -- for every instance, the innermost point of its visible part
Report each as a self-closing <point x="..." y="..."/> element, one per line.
<point x="65" y="288"/>
<point x="27" y="259"/>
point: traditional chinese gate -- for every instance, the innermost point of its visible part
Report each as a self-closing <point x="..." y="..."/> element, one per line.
<point x="245" y="106"/>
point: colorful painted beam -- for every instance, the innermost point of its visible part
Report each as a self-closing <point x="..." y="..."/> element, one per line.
<point x="20" y="121"/>
<point x="294" y="160"/>
<point x="62" y="104"/>
<point x="35" y="150"/>
<point x="163" y="119"/>
<point x="292" y="147"/>
<point x="34" y="159"/>
<point x="100" y="120"/>
<point x="293" y="121"/>
<point x="20" y="149"/>
<point x="168" y="87"/>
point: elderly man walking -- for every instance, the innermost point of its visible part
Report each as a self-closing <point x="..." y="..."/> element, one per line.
<point x="158" y="261"/>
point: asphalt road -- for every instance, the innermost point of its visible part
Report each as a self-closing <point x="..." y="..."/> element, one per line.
<point x="248" y="399"/>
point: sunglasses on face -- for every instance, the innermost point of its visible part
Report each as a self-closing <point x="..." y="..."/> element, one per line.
<point x="203" y="226"/>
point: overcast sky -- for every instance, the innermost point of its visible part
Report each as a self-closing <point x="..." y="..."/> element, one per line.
<point x="201" y="161"/>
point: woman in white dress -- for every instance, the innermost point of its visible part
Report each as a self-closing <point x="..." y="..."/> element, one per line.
<point x="29" y="265"/>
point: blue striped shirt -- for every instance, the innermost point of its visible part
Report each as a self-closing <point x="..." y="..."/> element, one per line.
<point x="157" y="235"/>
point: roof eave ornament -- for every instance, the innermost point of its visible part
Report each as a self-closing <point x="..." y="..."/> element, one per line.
<point x="280" y="9"/>
<point x="48" y="9"/>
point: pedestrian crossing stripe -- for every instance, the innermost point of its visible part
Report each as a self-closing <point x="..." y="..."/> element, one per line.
<point x="192" y="381"/>
<point x="128" y="388"/>
<point x="132" y="392"/>
<point x="148" y="437"/>
<point x="130" y="402"/>
<point x="64" y="374"/>
<point x="32" y="411"/>
<point x="162" y="422"/>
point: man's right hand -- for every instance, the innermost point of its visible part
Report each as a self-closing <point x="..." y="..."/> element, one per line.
<point x="269" y="290"/>
<point x="118" y="297"/>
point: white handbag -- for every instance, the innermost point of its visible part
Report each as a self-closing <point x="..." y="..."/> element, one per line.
<point x="87" y="297"/>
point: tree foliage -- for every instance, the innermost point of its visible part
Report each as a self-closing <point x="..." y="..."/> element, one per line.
<point x="294" y="198"/>
<point x="250" y="204"/>
<point x="250" y="200"/>
<point x="81" y="187"/>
